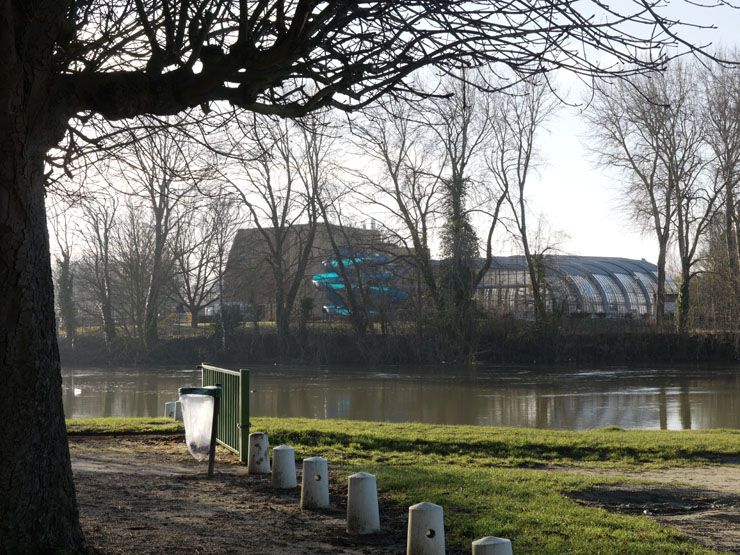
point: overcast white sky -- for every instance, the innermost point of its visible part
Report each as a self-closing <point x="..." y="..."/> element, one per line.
<point x="583" y="200"/>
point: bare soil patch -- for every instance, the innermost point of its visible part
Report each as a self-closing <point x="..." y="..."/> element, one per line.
<point x="145" y="494"/>
<point x="709" y="516"/>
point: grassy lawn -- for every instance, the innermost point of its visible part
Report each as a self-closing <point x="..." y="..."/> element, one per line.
<point x="491" y="481"/>
<point x="94" y="426"/>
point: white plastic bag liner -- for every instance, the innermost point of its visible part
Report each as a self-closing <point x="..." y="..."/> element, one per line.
<point x="197" y="415"/>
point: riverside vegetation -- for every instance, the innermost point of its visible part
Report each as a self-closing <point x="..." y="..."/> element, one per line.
<point x="501" y="340"/>
<point x="517" y="483"/>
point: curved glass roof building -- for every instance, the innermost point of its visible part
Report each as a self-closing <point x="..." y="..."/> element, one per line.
<point x="585" y="285"/>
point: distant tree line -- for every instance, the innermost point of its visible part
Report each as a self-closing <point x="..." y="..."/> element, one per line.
<point x="156" y="217"/>
<point x="445" y="174"/>
<point x="675" y="137"/>
<point x="151" y="230"/>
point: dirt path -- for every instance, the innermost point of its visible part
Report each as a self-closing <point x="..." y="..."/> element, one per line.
<point x="146" y="495"/>
<point x="703" y="502"/>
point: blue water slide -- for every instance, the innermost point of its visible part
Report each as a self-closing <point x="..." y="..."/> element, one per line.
<point x="368" y="259"/>
<point x="370" y="268"/>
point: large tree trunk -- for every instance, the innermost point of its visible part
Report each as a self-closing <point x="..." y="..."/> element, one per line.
<point x="38" y="510"/>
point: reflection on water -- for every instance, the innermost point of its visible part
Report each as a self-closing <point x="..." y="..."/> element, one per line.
<point x="674" y="398"/>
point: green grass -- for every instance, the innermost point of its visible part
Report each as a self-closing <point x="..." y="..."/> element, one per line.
<point x="480" y="446"/>
<point x="98" y="426"/>
<point x="490" y="481"/>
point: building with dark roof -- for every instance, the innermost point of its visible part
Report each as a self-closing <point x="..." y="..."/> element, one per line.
<point x="579" y="286"/>
<point x="250" y="282"/>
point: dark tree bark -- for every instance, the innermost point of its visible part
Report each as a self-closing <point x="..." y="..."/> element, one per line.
<point x="38" y="510"/>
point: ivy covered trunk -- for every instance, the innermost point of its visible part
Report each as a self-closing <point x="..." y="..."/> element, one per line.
<point x="457" y="271"/>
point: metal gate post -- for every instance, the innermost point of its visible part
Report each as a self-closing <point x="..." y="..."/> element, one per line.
<point x="214" y="430"/>
<point x="243" y="415"/>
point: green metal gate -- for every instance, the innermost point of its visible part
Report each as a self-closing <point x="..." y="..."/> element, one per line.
<point x="233" y="421"/>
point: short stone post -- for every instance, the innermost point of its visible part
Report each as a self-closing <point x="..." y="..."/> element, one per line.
<point x="363" y="516"/>
<point x="258" y="454"/>
<point x="426" y="533"/>
<point x="491" y="545"/>
<point x="283" y="467"/>
<point x="169" y="409"/>
<point x="315" y="484"/>
<point x="173" y="409"/>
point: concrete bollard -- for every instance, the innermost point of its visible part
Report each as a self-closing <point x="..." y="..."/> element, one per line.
<point x="169" y="409"/>
<point x="363" y="516"/>
<point x="283" y="467"/>
<point x="491" y="545"/>
<point x="258" y="454"/>
<point x="173" y="409"/>
<point x="426" y="533"/>
<point x="315" y="484"/>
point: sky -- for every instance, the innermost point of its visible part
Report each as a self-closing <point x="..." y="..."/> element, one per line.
<point x="581" y="200"/>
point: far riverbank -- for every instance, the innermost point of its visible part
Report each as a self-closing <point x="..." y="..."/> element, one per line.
<point x="501" y="342"/>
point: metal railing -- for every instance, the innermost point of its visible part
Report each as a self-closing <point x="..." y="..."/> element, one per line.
<point x="233" y="423"/>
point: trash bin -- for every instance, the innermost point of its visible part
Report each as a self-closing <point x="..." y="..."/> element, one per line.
<point x="200" y="407"/>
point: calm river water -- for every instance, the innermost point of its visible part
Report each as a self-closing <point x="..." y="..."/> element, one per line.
<point x="672" y="398"/>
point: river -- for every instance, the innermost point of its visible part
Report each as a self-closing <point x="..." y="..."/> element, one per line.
<point x="646" y="398"/>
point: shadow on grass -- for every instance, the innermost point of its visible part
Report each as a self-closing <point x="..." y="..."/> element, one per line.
<point x="528" y="452"/>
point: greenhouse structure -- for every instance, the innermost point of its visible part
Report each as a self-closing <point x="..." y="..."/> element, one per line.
<point x="575" y="285"/>
<point x="579" y="286"/>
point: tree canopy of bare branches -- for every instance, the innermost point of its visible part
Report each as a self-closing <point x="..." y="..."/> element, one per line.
<point x="518" y="118"/>
<point x="654" y="129"/>
<point x="281" y="175"/>
<point x="69" y="61"/>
